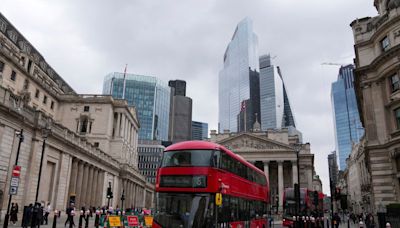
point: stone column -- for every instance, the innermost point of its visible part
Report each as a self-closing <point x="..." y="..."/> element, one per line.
<point x="280" y="184"/>
<point x="116" y="133"/>
<point x="144" y="197"/>
<point x="134" y="195"/>
<point x="100" y="186"/>
<point x="266" y="169"/>
<point x="89" y="192"/>
<point x="84" y="185"/>
<point x="79" y="185"/>
<point x="94" y="188"/>
<point x="295" y="172"/>
<point x="74" y="176"/>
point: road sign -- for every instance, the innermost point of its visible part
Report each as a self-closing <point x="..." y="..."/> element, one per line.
<point x="16" y="172"/>
<point x="13" y="190"/>
<point x="133" y="221"/>
<point x="218" y="199"/>
<point x="114" y="221"/>
<point x="14" y="181"/>
<point x="148" y="220"/>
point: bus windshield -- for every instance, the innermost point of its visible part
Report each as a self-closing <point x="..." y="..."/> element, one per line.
<point x="183" y="210"/>
<point x="189" y="158"/>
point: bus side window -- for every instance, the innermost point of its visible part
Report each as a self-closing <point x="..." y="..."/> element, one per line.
<point x="216" y="159"/>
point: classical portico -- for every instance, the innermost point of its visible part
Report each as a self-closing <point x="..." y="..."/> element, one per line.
<point x="275" y="156"/>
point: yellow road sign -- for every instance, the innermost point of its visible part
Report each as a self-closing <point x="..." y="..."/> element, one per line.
<point x="114" y="221"/>
<point x="218" y="199"/>
<point x="148" y="220"/>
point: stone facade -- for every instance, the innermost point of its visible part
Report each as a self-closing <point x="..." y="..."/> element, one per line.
<point x="377" y="49"/>
<point x="274" y="152"/>
<point x="358" y="180"/>
<point x="92" y="143"/>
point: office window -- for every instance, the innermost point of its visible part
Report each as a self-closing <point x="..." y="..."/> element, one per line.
<point x="37" y="93"/>
<point x="86" y="108"/>
<point x="96" y="144"/>
<point x="395" y="82"/>
<point x="13" y="76"/>
<point x="385" y="44"/>
<point x="52" y="105"/>
<point x="45" y="99"/>
<point x="397" y="116"/>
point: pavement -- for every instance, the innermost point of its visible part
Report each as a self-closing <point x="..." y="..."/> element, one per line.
<point x="59" y="222"/>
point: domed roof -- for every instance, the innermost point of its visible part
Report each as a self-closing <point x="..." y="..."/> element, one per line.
<point x="392" y="4"/>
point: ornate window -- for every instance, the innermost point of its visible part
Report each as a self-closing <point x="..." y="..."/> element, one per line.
<point x="37" y="93"/>
<point x="385" y="44"/>
<point x="45" y="99"/>
<point x="397" y="116"/>
<point x="395" y="82"/>
<point x="85" y="125"/>
<point x="13" y="76"/>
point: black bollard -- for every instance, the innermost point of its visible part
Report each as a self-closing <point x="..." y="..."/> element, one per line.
<point x="55" y="219"/>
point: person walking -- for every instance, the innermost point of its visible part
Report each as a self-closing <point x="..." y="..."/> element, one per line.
<point x="70" y="216"/>
<point x="14" y="213"/>
<point x="47" y="211"/>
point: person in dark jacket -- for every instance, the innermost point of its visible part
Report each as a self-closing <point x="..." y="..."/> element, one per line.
<point x="70" y="215"/>
<point x="27" y="216"/>
<point x="14" y="213"/>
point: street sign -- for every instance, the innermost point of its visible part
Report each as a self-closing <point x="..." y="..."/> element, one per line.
<point x="218" y="199"/>
<point x="148" y="220"/>
<point x="16" y="172"/>
<point x="14" y="182"/>
<point x="114" y="221"/>
<point x="133" y="221"/>
<point x="13" y="190"/>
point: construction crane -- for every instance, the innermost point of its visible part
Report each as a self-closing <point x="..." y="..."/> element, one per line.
<point x="336" y="64"/>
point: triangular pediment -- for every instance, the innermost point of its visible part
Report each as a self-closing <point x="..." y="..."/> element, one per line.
<point x="248" y="142"/>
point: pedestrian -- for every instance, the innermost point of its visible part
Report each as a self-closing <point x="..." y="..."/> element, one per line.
<point x="70" y="215"/>
<point x="336" y="220"/>
<point x="370" y="222"/>
<point x="27" y="216"/>
<point x="14" y="213"/>
<point x="47" y="211"/>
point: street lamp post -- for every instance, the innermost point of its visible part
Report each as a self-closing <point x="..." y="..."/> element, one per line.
<point x="20" y="135"/>
<point x="45" y="133"/>
<point x="297" y="148"/>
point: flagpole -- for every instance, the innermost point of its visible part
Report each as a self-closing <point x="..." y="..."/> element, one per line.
<point x="124" y="87"/>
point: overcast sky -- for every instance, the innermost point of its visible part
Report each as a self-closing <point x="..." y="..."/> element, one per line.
<point x="169" y="39"/>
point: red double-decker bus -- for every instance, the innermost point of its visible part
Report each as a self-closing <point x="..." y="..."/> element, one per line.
<point x="192" y="177"/>
<point x="308" y="206"/>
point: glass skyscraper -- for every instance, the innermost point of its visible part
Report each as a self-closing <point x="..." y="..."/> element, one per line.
<point x="149" y="95"/>
<point x="237" y="101"/>
<point x="199" y="130"/>
<point x="347" y="124"/>
<point x="275" y="107"/>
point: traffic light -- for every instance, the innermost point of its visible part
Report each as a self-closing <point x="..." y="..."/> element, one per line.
<point x="315" y="198"/>
<point x="109" y="192"/>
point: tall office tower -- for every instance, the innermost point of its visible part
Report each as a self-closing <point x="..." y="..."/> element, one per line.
<point x="180" y="115"/>
<point x="238" y="81"/>
<point x="179" y="87"/>
<point x="149" y="158"/>
<point x="275" y="107"/>
<point x="149" y="95"/>
<point x="271" y="95"/>
<point x="199" y="130"/>
<point x="333" y="168"/>
<point x="348" y="127"/>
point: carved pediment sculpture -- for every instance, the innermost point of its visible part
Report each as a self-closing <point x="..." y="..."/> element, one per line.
<point x="247" y="141"/>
